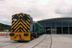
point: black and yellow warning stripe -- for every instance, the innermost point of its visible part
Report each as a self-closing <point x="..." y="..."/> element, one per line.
<point x="20" y="23"/>
<point x="20" y="28"/>
<point x="27" y="25"/>
<point x="15" y="23"/>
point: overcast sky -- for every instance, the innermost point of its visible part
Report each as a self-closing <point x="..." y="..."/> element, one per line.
<point x="38" y="9"/>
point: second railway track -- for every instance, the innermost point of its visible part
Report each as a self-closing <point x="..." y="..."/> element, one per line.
<point x="44" y="43"/>
<point x="43" y="40"/>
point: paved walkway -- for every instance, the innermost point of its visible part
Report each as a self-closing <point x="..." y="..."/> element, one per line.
<point x="58" y="41"/>
<point x="62" y="41"/>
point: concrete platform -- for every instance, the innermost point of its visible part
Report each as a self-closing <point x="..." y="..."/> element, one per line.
<point x="7" y="43"/>
<point x="58" y="41"/>
<point x="62" y="41"/>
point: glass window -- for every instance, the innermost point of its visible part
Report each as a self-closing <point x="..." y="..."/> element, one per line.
<point x="65" y="30"/>
<point x="70" y="29"/>
<point x="48" y="30"/>
<point x="59" y="30"/>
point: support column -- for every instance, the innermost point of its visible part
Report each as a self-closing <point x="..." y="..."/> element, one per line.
<point x="68" y="29"/>
<point x="62" y="27"/>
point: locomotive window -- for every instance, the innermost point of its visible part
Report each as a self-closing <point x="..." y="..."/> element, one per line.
<point x="25" y="17"/>
<point x="15" y="18"/>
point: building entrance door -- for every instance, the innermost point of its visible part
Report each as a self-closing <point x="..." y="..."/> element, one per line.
<point x="48" y="30"/>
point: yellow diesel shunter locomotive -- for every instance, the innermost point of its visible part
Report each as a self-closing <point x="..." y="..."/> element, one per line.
<point x="20" y="29"/>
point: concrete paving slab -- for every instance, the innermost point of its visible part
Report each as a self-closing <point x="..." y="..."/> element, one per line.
<point x="58" y="41"/>
<point x="62" y="41"/>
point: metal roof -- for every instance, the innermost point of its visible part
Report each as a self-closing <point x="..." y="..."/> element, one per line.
<point x="58" y="22"/>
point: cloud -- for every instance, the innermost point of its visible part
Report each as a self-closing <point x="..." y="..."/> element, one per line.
<point x="38" y="9"/>
<point x="65" y="11"/>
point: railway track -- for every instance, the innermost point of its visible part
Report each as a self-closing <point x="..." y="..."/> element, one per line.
<point x="44" y="43"/>
<point x="36" y="43"/>
<point x="39" y="42"/>
<point x="32" y="44"/>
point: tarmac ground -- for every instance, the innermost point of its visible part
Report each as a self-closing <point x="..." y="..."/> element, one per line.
<point x="44" y="41"/>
